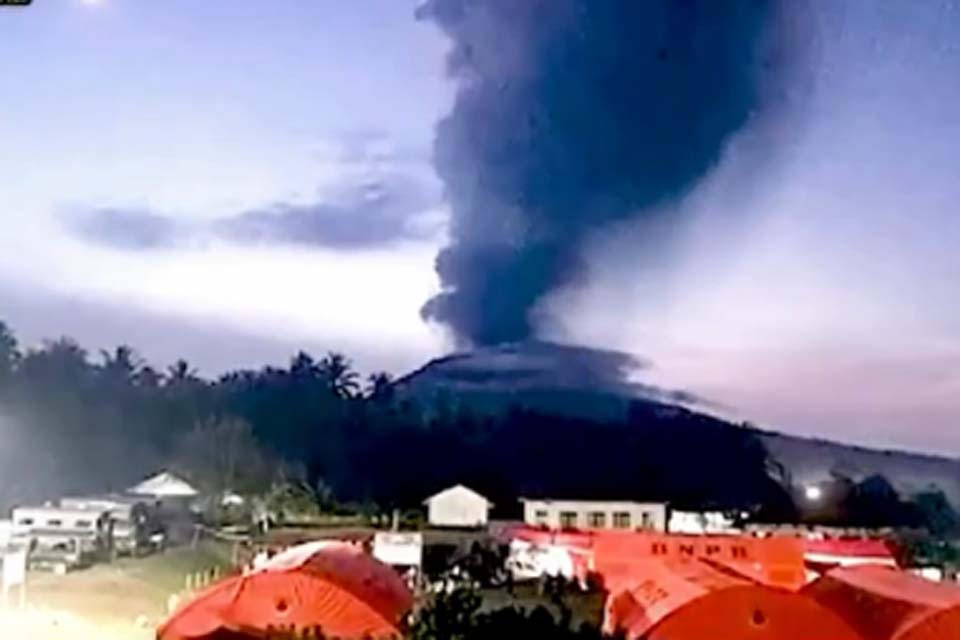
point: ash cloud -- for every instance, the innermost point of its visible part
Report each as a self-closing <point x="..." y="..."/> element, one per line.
<point x="575" y="114"/>
<point x="130" y="230"/>
<point x="366" y="213"/>
<point x="369" y="214"/>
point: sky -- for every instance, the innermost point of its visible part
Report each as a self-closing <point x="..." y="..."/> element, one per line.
<point x="232" y="181"/>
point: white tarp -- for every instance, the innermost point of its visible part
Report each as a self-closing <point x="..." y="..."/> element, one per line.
<point x="164" y="485"/>
<point x="398" y="549"/>
<point x="934" y="574"/>
<point x="701" y="523"/>
<point x="529" y="561"/>
<point x="297" y="556"/>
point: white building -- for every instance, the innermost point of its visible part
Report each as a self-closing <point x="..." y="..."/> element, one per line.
<point x="595" y="514"/>
<point x="458" y="507"/>
<point x="130" y="517"/>
<point x="83" y="522"/>
<point x="6" y="533"/>
<point x="61" y="537"/>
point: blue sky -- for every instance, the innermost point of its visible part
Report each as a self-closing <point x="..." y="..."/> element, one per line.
<point x="275" y="158"/>
<point x="200" y="111"/>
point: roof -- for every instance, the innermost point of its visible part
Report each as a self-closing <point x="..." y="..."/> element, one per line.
<point x="850" y="548"/>
<point x="165" y="485"/>
<point x="51" y="510"/>
<point x="105" y="501"/>
<point x="458" y="489"/>
<point x="688" y="598"/>
<point x="338" y="587"/>
<point x="911" y="607"/>
<point x="594" y="501"/>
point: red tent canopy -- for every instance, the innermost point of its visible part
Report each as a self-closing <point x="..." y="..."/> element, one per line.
<point x="886" y="604"/>
<point x="618" y="557"/>
<point x="335" y="587"/>
<point x="621" y="556"/>
<point x="694" y="599"/>
<point x="844" y="552"/>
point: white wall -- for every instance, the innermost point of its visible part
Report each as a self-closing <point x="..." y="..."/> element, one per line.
<point x="458" y="507"/>
<point x="651" y="516"/>
<point x="6" y="533"/>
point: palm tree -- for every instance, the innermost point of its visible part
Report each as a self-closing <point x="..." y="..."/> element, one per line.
<point x="9" y="351"/>
<point x="148" y="378"/>
<point x="379" y="385"/>
<point x="180" y="372"/>
<point x="303" y="366"/>
<point x="122" y="365"/>
<point x="60" y="361"/>
<point x="337" y="373"/>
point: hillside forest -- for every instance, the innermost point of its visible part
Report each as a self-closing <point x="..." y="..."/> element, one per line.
<point x="72" y="421"/>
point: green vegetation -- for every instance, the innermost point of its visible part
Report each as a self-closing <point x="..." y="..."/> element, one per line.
<point x="459" y="616"/>
<point x="80" y="424"/>
<point x="306" y="441"/>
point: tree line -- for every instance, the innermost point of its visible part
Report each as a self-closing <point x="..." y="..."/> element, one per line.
<point x="73" y="422"/>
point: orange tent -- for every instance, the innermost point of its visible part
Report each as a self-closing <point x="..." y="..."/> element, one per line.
<point x="778" y="562"/>
<point x="823" y="555"/>
<point x="617" y="556"/>
<point x="331" y="586"/>
<point x="886" y="604"/>
<point x="693" y="600"/>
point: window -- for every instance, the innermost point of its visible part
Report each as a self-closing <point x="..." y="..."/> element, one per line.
<point x="597" y="519"/>
<point x="540" y="516"/>
<point x="26" y="522"/>
<point x="84" y="524"/>
<point x="66" y="546"/>
<point x="621" y="520"/>
<point x="568" y="519"/>
<point x="646" y="520"/>
<point x="54" y="522"/>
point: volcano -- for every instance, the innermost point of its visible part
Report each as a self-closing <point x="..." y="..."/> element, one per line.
<point x="567" y="380"/>
<point x="601" y="386"/>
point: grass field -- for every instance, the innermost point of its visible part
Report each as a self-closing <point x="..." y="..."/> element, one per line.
<point x="119" y="601"/>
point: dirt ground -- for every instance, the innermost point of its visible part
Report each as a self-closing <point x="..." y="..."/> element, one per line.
<point x="127" y="599"/>
<point x="124" y="600"/>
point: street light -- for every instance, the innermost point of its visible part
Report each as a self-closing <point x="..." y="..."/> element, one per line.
<point x="813" y="493"/>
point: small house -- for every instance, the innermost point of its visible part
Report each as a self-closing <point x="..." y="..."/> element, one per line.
<point x="458" y="507"/>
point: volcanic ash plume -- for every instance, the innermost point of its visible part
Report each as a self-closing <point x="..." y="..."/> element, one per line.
<point x="573" y="114"/>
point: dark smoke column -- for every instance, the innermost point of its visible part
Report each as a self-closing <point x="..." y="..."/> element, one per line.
<point x="572" y="114"/>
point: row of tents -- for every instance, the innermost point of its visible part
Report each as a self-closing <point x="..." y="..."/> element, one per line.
<point x="658" y="587"/>
<point x="696" y="599"/>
